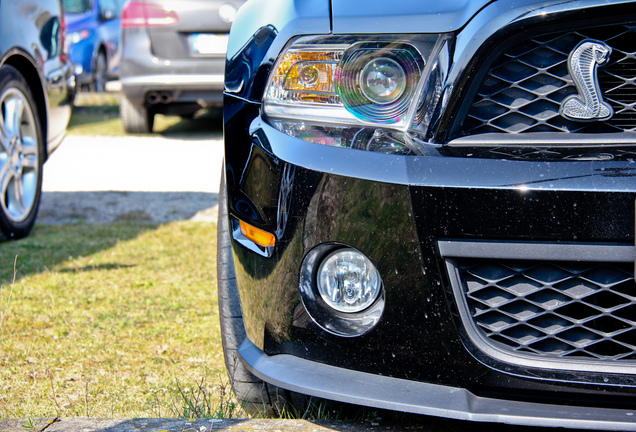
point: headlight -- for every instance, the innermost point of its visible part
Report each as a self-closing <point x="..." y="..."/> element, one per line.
<point x="356" y="80"/>
<point x="78" y="36"/>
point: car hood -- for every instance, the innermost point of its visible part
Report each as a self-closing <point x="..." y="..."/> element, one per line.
<point x="402" y="16"/>
<point x="78" y="21"/>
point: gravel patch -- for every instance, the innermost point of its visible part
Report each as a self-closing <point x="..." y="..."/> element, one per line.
<point x="59" y="208"/>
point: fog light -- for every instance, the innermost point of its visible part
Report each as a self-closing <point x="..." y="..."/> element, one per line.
<point x="341" y="290"/>
<point x="348" y="281"/>
<point x="383" y="80"/>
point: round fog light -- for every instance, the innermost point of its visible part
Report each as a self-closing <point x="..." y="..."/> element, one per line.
<point x="348" y="281"/>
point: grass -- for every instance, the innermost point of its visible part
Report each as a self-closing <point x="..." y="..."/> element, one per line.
<point x="98" y="114"/>
<point x="113" y="320"/>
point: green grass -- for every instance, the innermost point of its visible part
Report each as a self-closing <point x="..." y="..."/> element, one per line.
<point x="98" y="114"/>
<point x="113" y="320"/>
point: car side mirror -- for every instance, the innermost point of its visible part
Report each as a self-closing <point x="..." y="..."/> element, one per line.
<point x="107" y="14"/>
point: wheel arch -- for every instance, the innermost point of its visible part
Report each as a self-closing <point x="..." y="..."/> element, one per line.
<point x="27" y="68"/>
<point x="101" y="49"/>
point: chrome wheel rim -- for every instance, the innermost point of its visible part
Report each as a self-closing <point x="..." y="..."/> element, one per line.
<point x="19" y="155"/>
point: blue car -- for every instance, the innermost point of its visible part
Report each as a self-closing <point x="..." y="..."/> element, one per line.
<point x="93" y="36"/>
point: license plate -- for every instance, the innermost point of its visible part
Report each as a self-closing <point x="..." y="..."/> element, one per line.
<point x="202" y="43"/>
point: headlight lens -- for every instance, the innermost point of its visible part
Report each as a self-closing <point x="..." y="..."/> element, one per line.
<point x="377" y="83"/>
<point x="352" y="80"/>
<point x="383" y="80"/>
<point x="78" y="36"/>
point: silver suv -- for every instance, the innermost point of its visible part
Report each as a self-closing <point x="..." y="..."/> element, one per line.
<point x="172" y="58"/>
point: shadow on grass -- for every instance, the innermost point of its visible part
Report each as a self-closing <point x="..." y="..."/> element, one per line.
<point x="92" y="115"/>
<point x="206" y="123"/>
<point x="75" y="224"/>
<point x="105" y="120"/>
<point x="422" y="423"/>
<point x="49" y="245"/>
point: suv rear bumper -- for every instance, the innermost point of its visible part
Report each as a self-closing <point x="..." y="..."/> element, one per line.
<point x="201" y="89"/>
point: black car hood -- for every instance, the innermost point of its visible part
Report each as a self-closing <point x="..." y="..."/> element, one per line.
<point x="402" y="16"/>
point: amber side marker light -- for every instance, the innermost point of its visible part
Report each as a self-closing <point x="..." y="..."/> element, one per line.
<point x="258" y="236"/>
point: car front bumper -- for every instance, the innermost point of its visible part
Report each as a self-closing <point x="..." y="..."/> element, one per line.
<point x="344" y="385"/>
<point x="402" y="212"/>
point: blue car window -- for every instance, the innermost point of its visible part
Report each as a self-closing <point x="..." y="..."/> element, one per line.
<point x="78" y="6"/>
<point x="111" y="5"/>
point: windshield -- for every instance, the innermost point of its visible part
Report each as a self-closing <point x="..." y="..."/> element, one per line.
<point x="78" y="6"/>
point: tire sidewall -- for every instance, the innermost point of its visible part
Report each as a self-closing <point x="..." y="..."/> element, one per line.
<point x="100" y="68"/>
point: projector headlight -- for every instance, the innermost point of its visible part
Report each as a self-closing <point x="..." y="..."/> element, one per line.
<point x="383" y="80"/>
<point x="354" y="80"/>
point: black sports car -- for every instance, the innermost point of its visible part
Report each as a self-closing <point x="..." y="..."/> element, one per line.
<point x="429" y="207"/>
<point x="37" y="87"/>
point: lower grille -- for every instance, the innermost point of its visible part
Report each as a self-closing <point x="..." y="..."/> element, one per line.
<point x="556" y="310"/>
<point x="549" y="310"/>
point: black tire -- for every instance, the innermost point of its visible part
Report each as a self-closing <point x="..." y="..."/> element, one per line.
<point x="23" y="150"/>
<point x="257" y="397"/>
<point x="135" y="120"/>
<point x="100" y="73"/>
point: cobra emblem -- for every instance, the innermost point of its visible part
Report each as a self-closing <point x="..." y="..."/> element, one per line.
<point x="583" y="63"/>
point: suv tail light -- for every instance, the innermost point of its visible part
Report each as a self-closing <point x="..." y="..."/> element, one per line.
<point x="146" y="14"/>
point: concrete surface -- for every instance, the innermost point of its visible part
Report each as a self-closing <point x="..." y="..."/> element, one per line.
<point x="140" y="164"/>
<point x="203" y="425"/>
<point x="146" y="179"/>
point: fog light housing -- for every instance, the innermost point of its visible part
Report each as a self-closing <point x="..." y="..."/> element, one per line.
<point x="348" y="281"/>
<point x="341" y="290"/>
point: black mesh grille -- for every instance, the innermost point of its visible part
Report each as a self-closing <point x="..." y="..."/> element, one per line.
<point x="553" y="310"/>
<point x="542" y="154"/>
<point x="525" y="86"/>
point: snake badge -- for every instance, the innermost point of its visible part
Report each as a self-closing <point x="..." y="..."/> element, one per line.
<point x="583" y="64"/>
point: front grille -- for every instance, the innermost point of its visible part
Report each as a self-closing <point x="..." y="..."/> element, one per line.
<point x="545" y="306"/>
<point x="530" y="153"/>
<point x="525" y="86"/>
<point x="553" y="310"/>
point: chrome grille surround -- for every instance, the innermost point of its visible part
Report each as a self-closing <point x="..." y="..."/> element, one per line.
<point x="526" y="85"/>
<point x="557" y="306"/>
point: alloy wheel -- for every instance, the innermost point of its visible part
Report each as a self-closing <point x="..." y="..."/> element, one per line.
<point x="19" y="155"/>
